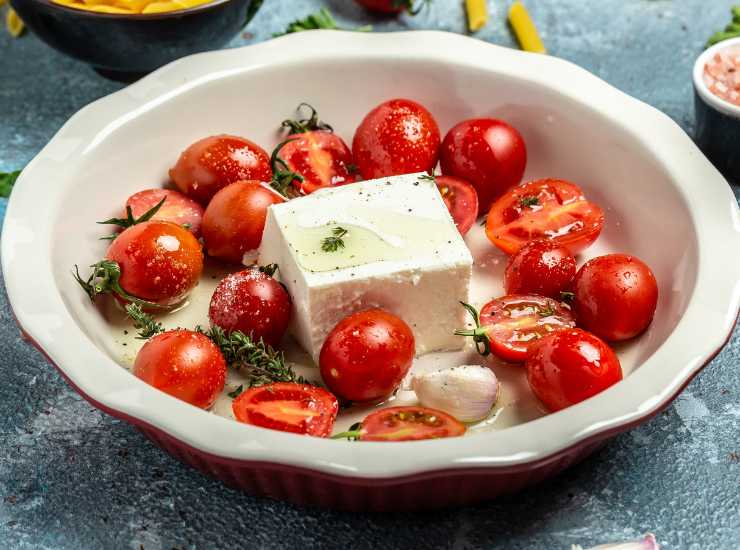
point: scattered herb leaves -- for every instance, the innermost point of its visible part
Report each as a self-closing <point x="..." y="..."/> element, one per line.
<point x="336" y="241"/>
<point x="145" y="323"/>
<point x="530" y="200"/>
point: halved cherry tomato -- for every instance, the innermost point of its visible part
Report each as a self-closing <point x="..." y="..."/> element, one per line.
<point x="540" y="267"/>
<point x="212" y="163"/>
<point x="252" y="302"/>
<point x="548" y="209"/>
<point x="509" y="325"/>
<point x="184" y="364"/>
<point x="160" y="261"/>
<point x="288" y="407"/>
<point x="461" y="200"/>
<point x="615" y="296"/>
<point x="568" y="366"/>
<point x="320" y="157"/>
<point x="397" y="137"/>
<point x="366" y="356"/>
<point x="235" y="218"/>
<point x="488" y="153"/>
<point x="391" y="6"/>
<point x="177" y="208"/>
<point x="408" y="424"/>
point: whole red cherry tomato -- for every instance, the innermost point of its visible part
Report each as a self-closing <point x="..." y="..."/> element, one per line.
<point x="615" y="296"/>
<point x="235" y="218"/>
<point x="184" y="364"/>
<point x="366" y="356"/>
<point x="253" y="302"/>
<point x="540" y="267"/>
<point x="568" y="366"/>
<point x="509" y="326"/>
<point x="288" y="407"/>
<point x="160" y="262"/>
<point x="214" y="162"/>
<point x="393" y="6"/>
<point x="461" y="200"/>
<point x="554" y="210"/>
<point x="406" y="424"/>
<point x="488" y="153"/>
<point x="177" y="208"/>
<point x="397" y="137"/>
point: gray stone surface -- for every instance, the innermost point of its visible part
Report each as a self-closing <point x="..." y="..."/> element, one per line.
<point x="74" y="478"/>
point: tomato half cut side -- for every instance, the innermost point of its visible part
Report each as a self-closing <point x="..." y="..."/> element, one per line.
<point x="548" y="209"/>
<point x="509" y="325"/>
<point x="409" y="424"/>
<point x="288" y="407"/>
<point x="461" y="200"/>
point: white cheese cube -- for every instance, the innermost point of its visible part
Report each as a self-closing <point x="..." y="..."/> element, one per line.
<point x="401" y="252"/>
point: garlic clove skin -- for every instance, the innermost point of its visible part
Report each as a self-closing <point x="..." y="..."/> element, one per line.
<point x="467" y="392"/>
<point x="648" y="543"/>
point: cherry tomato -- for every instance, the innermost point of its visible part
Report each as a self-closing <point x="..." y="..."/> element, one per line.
<point x="615" y="296"/>
<point x="397" y="137"/>
<point x="252" y="302"/>
<point x="409" y="424"/>
<point x="288" y="407"/>
<point x="540" y="267"/>
<point x="488" y="153"/>
<point x="366" y="356"/>
<point x="235" y="218"/>
<point x="548" y="209"/>
<point x="177" y="208"/>
<point x="321" y="157"/>
<point x="461" y="200"/>
<point x="511" y="324"/>
<point x="184" y="364"/>
<point x="214" y="162"/>
<point x="568" y="366"/>
<point x="389" y="6"/>
<point x="160" y="261"/>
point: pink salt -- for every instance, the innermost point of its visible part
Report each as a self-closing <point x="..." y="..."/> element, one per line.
<point x="722" y="74"/>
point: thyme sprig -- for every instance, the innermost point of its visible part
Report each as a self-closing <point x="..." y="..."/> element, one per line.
<point x="309" y="124"/>
<point x="257" y="361"/>
<point x="335" y="241"/>
<point x="129" y="220"/>
<point x="145" y="323"/>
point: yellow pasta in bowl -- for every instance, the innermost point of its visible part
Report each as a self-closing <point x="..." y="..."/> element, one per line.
<point x="131" y="6"/>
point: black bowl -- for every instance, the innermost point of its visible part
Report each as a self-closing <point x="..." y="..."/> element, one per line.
<point x="125" y="46"/>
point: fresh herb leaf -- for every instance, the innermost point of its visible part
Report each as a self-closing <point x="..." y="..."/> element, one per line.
<point x="322" y="19"/>
<point x="428" y="177"/>
<point x="731" y="31"/>
<point x="303" y="125"/>
<point x="336" y="241"/>
<point x="530" y="200"/>
<point x="7" y="181"/>
<point x="129" y="220"/>
<point x="144" y="322"/>
<point x="260" y="363"/>
<point x="237" y="392"/>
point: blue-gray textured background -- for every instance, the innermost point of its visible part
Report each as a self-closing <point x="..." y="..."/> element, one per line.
<point x="74" y="478"/>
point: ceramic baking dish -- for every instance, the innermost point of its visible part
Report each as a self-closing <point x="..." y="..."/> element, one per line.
<point x="664" y="203"/>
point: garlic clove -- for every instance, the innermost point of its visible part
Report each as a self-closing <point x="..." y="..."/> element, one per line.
<point x="648" y="543"/>
<point x="467" y="392"/>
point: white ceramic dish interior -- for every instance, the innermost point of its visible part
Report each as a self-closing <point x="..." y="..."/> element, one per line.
<point x="664" y="203"/>
<point x="709" y="98"/>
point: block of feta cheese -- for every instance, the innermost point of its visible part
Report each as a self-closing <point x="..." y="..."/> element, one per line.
<point x="400" y="251"/>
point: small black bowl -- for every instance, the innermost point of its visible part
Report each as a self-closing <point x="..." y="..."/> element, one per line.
<point x="717" y="120"/>
<point x="126" y="46"/>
